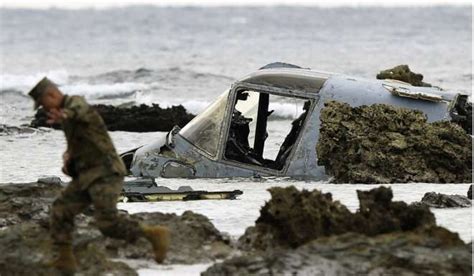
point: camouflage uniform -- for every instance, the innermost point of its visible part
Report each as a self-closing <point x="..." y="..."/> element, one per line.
<point x="97" y="173"/>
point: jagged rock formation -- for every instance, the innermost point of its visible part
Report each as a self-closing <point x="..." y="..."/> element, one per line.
<point x="381" y="238"/>
<point x="428" y="251"/>
<point x="437" y="200"/>
<point x="26" y="250"/>
<point x="27" y="202"/>
<point x="387" y="144"/>
<point x="403" y="73"/>
<point x="24" y="213"/>
<point x="298" y="231"/>
<point x="142" y="118"/>
<point x="292" y="218"/>
<point x="194" y="240"/>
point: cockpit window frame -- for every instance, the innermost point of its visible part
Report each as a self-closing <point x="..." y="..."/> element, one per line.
<point x="202" y="151"/>
<point x="312" y="97"/>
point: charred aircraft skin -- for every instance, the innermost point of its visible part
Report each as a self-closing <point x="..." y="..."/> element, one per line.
<point x="200" y="149"/>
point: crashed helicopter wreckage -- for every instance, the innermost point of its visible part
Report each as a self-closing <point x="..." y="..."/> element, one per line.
<point x="230" y="138"/>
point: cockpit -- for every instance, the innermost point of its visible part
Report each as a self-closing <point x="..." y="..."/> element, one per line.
<point x="255" y="135"/>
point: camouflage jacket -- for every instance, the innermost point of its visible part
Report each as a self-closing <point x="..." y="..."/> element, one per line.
<point x="88" y="142"/>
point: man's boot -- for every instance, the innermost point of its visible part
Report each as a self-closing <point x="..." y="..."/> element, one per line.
<point x="159" y="237"/>
<point x="65" y="262"/>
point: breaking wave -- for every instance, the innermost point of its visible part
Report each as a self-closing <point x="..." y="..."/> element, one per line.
<point x="166" y="82"/>
<point x="166" y="87"/>
<point x="25" y="82"/>
<point x="104" y="91"/>
<point x="145" y="75"/>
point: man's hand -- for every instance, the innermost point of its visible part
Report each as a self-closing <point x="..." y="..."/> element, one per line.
<point x="55" y="116"/>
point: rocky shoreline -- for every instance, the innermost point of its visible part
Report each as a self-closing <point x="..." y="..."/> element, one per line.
<point x="304" y="231"/>
<point x="307" y="233"/>
<point x="24" y="213"/>
<point x="142" y="118"/>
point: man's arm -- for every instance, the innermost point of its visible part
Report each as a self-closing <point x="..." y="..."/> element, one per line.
<point x="74" y="108"/>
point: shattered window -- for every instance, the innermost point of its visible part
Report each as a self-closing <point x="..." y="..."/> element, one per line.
<point x="204" y="130"/>
<point x="264" y="128"/>
<point x="246" y="111"/>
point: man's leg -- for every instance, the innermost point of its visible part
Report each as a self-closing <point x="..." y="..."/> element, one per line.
<point x="104" y="194"/>
<point x="71" y="202"/>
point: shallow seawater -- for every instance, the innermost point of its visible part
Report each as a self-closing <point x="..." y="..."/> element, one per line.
<point x="234" y="216"/>
<point x="27" y="157"/>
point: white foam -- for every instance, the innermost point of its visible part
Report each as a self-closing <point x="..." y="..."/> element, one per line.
<point x="164" y="100"/>
<point x="289" y="110"/>
<point x="25" y="82"/>
<point x="93" y="91"/>
<point x="145" y="93"/>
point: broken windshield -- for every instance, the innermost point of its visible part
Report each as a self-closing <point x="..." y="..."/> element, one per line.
<point x="254" y="137"/>
<point x="204" y="130"/>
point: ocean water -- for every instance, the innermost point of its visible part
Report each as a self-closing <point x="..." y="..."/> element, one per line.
<point x="190" y="55"/>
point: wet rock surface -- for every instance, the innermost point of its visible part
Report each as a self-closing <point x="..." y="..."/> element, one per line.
<point x="430" y="251"/>
<point x="297" y="231"/>
<point x="194" y="239"/>
<point x="142" y="118"/>
<point x="387" y="144"/>
<point x="437" y="200"/>
<point x="14" y="130"/>
<point x="292" y="218"/>
<point x="382" y="238"/>
<point x="403" y="73"/>
<point x="24" y="234"/>
<point x="27" y="202"/>
<point x="24" y="223"/>
<point x="26" y="250"/>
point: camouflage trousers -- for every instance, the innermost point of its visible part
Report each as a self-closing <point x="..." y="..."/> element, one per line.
<point x="103" y="194"/>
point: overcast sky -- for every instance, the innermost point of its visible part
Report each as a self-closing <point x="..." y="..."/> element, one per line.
<point x="73" y="4"/>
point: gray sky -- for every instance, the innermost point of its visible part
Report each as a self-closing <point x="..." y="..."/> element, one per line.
<point x="74" y="4"/>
